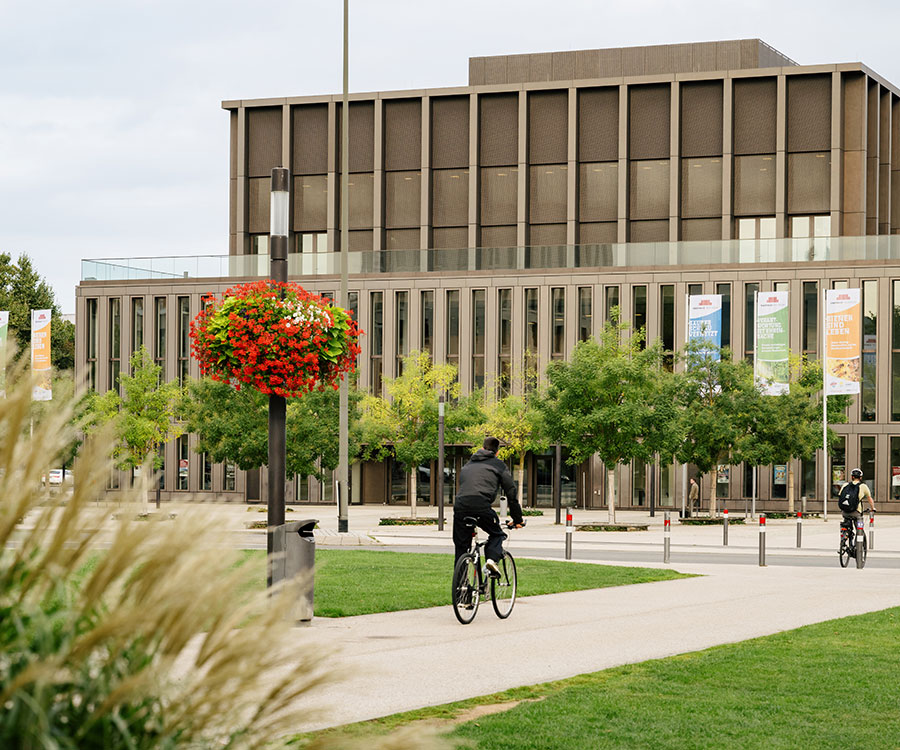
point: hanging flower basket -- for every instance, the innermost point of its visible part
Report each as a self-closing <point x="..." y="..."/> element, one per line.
<point x="275" y="337"/>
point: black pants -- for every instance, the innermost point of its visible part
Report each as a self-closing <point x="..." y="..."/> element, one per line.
<point x="487" y="520"/>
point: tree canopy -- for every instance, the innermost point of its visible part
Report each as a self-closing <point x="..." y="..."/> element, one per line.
<point x="232" y="425"/>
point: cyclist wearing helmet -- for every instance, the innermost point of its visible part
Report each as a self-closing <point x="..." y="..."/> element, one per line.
<point x="852" y="494"/>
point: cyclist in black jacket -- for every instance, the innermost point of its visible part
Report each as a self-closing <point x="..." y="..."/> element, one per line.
<point x="479" y="481"/>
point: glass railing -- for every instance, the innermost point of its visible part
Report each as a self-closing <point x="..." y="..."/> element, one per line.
<point x="630" y="255"/>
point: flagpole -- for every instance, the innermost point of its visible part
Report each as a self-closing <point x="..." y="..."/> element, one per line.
<point x="755" y="335"/>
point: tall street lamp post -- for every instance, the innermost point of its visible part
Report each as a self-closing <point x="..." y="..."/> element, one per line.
<point x="440" y="464"/>
<point x="343" y="297"/>
<point x="278" y="252"/>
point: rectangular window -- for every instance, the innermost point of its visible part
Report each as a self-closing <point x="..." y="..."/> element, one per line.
<point x="895" y="352"/>
<point x="531" y="320"/>
<point x="724" y="290"/>
<point x="162" y="468"/>
<point x="585" y="316"/>
<point x="159" y="339"/>
<point x="750" y="291"/>
<point x="782" y="286"/>
<point x="839" y="473"/>
<point x="301" y="489"/>
<point x="612" y="301"/>
<point x="230" y="472"/>
<point x="808" y="479"/>
<point x="639" y="312"/>
<point x="401" y="324"/>
<point x="667" y="323"/>
<point x="869" y="351"/>
<point x="810" y="322"/>
<point x="867" y="459"/>
<point x="894" y="479"/>
<point x="181" y="446"/>
<point x="558" y="322"/>
<point x="137" y="323"/>
<point x="115" y="342"/>
<point x="478" y="331"/>
<point x="504" y="320"/>
<point x="453" y="327"/>
<point x="638" y="482"/>
<point x="843" y="284"/>
<point x="376" y="341"/>
<point x="428" y="321"/>
<point x="353" y="307"/>
<point x="91" y="343"/>
<point x="694" y="290"/>
<point x="184" y="338"/>
<point x="205" y="472"/>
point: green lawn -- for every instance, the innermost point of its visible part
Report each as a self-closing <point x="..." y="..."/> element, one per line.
<point x="359" y="582"/>
<point x="814" y="687"/>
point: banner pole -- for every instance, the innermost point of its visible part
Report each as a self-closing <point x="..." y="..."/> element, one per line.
<point x="755" y="342"/>
<point x="826" y="484"/>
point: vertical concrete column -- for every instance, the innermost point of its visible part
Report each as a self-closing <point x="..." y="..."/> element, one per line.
<point x="522" y="208"/>
<point x="895" y="165"/>
<point x="853" y="170"/>
<point x="780" y="157"/>
<point x="474" y="193"/>
<point x="425" y="209"/>
<point x="836" y="157"/>
<point x="242" y="186"/>
<point x="378" y="183"/>
<point x="572" y="174"/>
<point x="872" y="159"/>
<point x="623" y="163"/>
<point x="884" y="162"/>
<point x="674" y="161"/>
<point x="333" y="178"/>
<point x="727" y="158"/>
<point x="286" y="137"/>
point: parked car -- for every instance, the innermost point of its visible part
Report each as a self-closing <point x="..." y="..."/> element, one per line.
<point x="56" y="477"/>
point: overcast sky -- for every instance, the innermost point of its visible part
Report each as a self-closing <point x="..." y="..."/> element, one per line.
<point x="113" y="142"/>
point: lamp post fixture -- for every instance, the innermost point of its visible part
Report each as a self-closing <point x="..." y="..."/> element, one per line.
<point x="278" y="252"/>
<point x="440" y="464"/>
<point x="343" y="296"/>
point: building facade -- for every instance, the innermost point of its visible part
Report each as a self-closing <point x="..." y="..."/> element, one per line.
<point x="509" y="216"/>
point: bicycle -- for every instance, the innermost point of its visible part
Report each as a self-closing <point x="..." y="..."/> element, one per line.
<point x="848" y="548"/>
<point x="470" y="583"/>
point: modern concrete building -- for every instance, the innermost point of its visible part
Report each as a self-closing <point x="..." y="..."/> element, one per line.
<point x="508" y="216"/>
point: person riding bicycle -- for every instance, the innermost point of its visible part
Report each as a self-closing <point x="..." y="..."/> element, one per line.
<point x="851" y="496"/>
<point x="479" y="481"/>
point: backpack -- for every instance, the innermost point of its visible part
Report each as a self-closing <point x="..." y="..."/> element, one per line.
<point x="848" y="501"/>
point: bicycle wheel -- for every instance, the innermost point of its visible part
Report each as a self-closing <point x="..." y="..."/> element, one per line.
<point x="465" y="592"/>
<point x="861" y="552"/>
<point x="503" y="589"/>
<point x="844" y="549"/>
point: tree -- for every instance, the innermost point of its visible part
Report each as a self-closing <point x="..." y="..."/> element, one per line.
<point x="717" y="400"/>
<point x="612" y="399"/>
<point x="143" y="417"/>
<point x="405" y="423"/>
<point x="519" y="425"/>
<point x="789" y="426"/>
<point x="22" y="290"/>
<point x="232" y="425"/>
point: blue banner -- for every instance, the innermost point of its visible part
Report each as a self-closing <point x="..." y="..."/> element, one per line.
<point x="705" y="321"/>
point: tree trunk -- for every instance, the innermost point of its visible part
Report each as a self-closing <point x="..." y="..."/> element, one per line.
<point x="713" y="500"/>
<point x="790" y="487"/>
<point x="521" y="473"/>
<point x="412" y="493"/>
<point x="611" y="493"/>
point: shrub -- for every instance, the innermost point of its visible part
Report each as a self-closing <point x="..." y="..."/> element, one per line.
<point x="118" y="634"/>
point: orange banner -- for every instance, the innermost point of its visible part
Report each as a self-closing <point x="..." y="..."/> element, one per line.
<point x="40" y="355"/>
<point x="843" y="364"/>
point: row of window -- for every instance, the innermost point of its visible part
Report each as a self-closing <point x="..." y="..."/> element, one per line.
<point x="608" y="296"/>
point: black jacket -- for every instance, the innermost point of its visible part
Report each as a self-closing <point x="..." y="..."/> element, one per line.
<point x="479" y="481"/>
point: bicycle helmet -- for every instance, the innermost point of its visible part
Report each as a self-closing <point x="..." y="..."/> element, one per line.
<point x="856" y="474"/>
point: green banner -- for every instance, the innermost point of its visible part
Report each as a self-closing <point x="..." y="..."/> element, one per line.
<point x="773" y="346"/>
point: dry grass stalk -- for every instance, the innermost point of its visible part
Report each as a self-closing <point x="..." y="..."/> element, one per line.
<point x="95" y="614"/>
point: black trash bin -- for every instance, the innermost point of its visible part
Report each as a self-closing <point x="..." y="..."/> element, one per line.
<point x="294" y="548"/>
